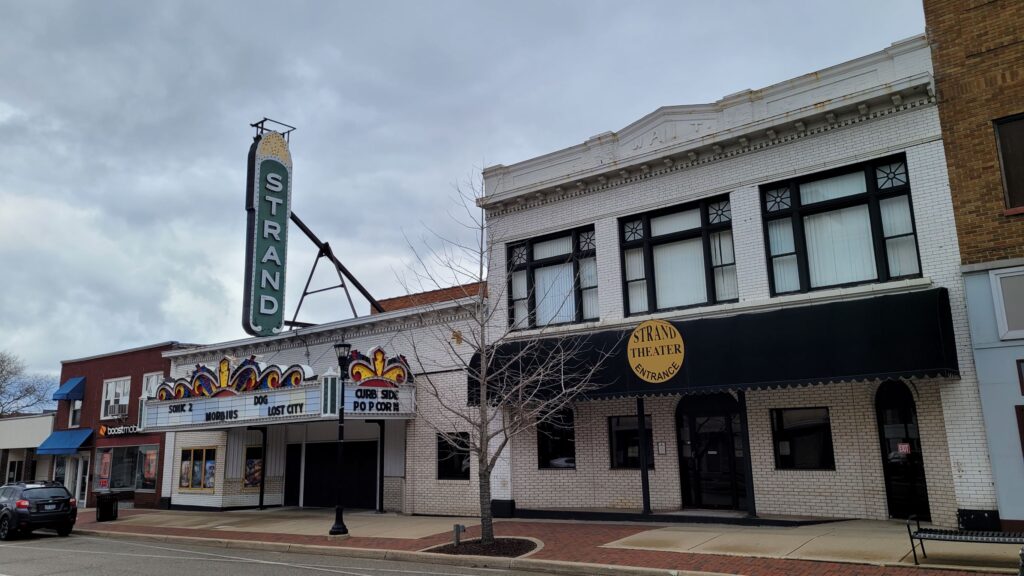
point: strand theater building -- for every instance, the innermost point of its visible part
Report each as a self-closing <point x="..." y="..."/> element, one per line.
<point x="254" y="422"/>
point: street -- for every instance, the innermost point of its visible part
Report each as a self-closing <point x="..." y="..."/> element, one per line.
<point x="46" y="554"/>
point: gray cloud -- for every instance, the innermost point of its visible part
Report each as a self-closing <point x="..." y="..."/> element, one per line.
<point x="124" y="130"/>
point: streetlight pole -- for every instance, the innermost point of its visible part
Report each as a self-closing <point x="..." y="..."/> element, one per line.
<point x="342" y="350"/>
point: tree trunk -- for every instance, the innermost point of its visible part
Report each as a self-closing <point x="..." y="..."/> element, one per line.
<point x="486" y="519"/>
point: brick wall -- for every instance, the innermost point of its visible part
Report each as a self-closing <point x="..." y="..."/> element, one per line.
<point x="424" y="492"/>
<point x="978" y="56"/>
<point x="429" y="297"/>
<point x="594" y="483"/>
<point x="394" y="494"/>
<point x="856" y="488"/>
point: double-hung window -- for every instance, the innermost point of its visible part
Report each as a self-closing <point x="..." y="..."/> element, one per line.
<point x="842" y="227"/>
<point x="116" y="395"/>
<point x="553" y="280"/>
<point x="679" y="257"/>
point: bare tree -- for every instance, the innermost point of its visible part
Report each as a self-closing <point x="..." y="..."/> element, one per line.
<point x="20" y="391"/>
<point x="515" y="383"/>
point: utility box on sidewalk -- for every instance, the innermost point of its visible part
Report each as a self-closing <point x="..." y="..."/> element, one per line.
<point x="106" y="507"/>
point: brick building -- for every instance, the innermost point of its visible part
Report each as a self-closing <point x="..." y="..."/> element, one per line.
<point x="97" y="444"/>
<point x="799" y="242"/>
<point x="978" y="55"/>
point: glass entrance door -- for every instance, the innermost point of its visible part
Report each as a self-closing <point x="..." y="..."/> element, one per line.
<point x="82" y="486"/>
<point x="712" y="453"/>
<point x="902" y="460"/>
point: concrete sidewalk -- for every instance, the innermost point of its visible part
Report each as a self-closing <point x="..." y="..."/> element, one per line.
<point x="848" y="547"/>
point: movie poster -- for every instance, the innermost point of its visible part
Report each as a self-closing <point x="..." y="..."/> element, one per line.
<point x="253" y="467"/>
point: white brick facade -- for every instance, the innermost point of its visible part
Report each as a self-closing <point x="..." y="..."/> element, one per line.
<point x="843" y="116"/>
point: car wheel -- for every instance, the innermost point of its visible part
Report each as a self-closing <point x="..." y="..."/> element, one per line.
<point x="64" y="530"/>
<point x="6" y="529"/>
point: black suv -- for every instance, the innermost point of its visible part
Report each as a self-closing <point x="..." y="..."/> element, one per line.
<point x="27" y="506"/>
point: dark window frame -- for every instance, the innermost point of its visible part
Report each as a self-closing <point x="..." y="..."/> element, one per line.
<point x="1020" y="375"/>
<point x="443" y="442"/>
<point x="1008" y="195"/>
<point x="1020" y="424"/>
<point x="775" y="419"/>
<point x="648" y="242"/>
<point x="529" y="265"/>
<point x="649" y="424"/>
<point x="566" y="425"/>
<point x="796" y="212"/>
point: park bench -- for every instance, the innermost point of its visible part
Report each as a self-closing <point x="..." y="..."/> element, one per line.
<point x="980" y="536"/>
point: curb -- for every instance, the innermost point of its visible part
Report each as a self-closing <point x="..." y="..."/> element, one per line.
<point x="545" y="566"/>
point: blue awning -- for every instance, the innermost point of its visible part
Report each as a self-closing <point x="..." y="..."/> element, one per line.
<point x="73" y="389"/>
<point x="64" y="441"/>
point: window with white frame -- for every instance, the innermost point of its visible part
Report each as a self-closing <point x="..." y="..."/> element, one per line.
<point x="679" y="257"/>
<point x="329" y="393"/>
<point x="1008" y="294"/>
<point x="116" y="395"/>
<point x="846" y="226"/>
<point x="553" y="279"/>
<point x="150" y="382"/>
<point x="75" y="414"/>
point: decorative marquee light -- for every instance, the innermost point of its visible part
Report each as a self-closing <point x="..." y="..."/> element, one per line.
<point x="248" y="376"/>
<point x="379" y="371"/>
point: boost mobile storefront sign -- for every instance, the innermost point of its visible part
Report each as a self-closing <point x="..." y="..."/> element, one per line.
<point x="268" y="202"/>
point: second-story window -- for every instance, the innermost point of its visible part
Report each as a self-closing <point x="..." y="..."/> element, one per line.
<point x="75" y="414"/>
<point x="679" y="257"/>
<point x="116" y="395"/>
<point x="553" y="279"/>
<point x="1010" y="138"/>
<point x="842" y="227"/>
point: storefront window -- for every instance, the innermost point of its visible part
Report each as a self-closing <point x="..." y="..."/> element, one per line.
<point x="253" y="467"/>
<point x="198" y="468"/>
<point x="127" y="467"/>
<point x="803" y="439"/>
<point x="625" y="442"/>
<point x="453" y="456"/>
<point x="556" y="442"/>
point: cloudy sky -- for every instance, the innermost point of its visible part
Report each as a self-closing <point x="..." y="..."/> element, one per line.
<point x="124" y="128"/>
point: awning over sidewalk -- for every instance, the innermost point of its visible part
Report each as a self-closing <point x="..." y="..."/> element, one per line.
<point x="73" y="389"/>
<point x="64" y="441"/>
<point x="907" y="335"/>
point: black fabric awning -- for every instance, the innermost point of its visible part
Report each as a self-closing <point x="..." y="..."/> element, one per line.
<point x="907" y="335"/>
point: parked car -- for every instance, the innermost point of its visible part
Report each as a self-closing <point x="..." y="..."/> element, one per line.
<point x="28" y="506"/>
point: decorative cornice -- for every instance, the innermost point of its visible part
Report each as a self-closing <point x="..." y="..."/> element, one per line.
<point x="702" y="156"/>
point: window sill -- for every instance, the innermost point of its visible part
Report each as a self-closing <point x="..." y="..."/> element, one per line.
<point x="1014" y="211"/>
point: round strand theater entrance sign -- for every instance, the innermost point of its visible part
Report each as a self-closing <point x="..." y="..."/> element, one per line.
<point x="655" y="351"/>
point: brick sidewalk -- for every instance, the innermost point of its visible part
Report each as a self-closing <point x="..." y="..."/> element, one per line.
<point x="575" y="542"/>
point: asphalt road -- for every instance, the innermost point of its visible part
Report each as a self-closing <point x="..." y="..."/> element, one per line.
<point x="44" y="553"/>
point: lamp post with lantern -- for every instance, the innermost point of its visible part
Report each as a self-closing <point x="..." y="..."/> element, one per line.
<point x="342" y="350"/>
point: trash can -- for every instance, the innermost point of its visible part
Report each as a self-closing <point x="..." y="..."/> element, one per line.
<point x="106" y="507"/>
